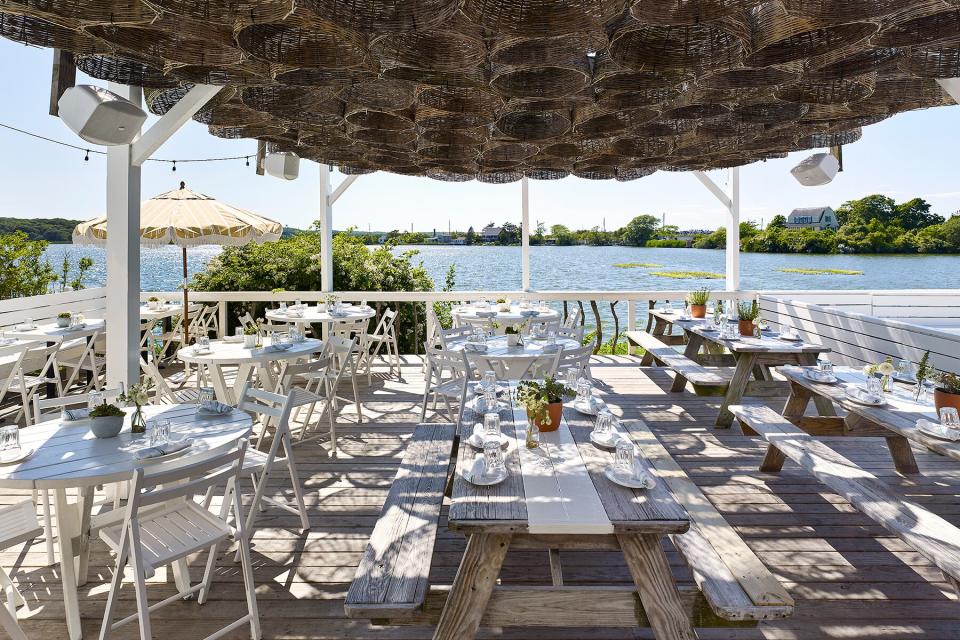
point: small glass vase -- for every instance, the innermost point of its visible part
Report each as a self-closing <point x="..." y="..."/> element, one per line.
<point x="886" y="383"/>
<point x="138" y="424"/>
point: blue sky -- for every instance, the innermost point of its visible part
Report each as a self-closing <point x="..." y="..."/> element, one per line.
<point x="913" y="154"/>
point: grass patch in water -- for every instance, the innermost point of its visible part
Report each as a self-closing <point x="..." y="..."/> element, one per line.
<point x="820" y="272"/>
<point x="637" y="265"/>
<point x="688" y="275"/>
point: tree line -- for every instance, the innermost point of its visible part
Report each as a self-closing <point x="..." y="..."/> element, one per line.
<point x="46" y="229"/>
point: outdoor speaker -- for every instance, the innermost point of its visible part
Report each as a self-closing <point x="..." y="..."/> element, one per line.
<point x="283" y="164"/>
<point x="100" y="116"/>
<point x="818" y="169"/>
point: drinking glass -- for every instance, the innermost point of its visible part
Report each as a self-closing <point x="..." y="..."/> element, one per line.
<point x="570" y="378"/>
<point x="205" y="395"/>
<point x="298" y="304"/>
<point x="906" y="369"/>
<point x="238" y="333"/>
<point x="604" y="425"/>
<point x="95" y="399"/>
<point x="491" y="427"/>
<point x="203" y="343"/>
<point x="490" y="398"/>
<point x="874" y="386"/>
<point x="274" y="337"/>
<point x="492" y="458"/>
<point x="283" y="307"/>
<point x="949" y="417"/>
<point x="624" y="457"/>
<point x="10" y="438"/>
<point x="825" y="366"/>
<point x="489" y="380"/>
<point x="584" y="390"/>
<point x="159" y="432"/>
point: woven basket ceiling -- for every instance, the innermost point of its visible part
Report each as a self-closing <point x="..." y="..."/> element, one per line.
<point x="495" y="90"/>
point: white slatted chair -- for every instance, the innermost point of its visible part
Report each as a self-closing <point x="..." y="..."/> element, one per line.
<point x="573" y="319"/>
<point x="574" y="333"/>
<point x="313" y="376"/>
<point x="42" y="412"/>
<point x="441" y="385"/>
<point x="26" y="371"/>
<point x="385" y="335"/>
<point x="343" y="366"/>
<point x="18" y="524"/>
<point x="162" y="391"/>
<point x="455" y="334"/>
<point x="577" y="359"/>
<point x="533" y="368"/>
<point x="81" y="355"/>
<point x="274" y="410"/>
<point x="547" y="326"/>
<point x="163" y="524"/>
<point x="204" y="320"/>
<point x="483" y="323"/>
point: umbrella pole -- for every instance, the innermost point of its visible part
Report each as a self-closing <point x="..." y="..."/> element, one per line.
<point x="186" y="313"/>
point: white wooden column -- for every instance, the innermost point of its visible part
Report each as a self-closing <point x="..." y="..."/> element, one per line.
<point x="525" y="233"/>
<point x="733" y="233"/>
<point x="730" y="201"/>
<point x="326" y="230"/>
<point x="123" y="257"/>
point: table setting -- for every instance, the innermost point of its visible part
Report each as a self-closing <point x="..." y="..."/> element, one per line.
<point x="331" y="311"/>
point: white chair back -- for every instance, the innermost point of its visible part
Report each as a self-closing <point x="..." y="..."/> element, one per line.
<point x="449" y="336"/>
<point x="574" y="333"/>
<point x="572" y="319"/>
<point x="42" y="406"/>
<point x="577" y="359"/>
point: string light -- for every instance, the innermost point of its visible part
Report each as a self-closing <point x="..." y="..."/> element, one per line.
<point x="87" y="152"/>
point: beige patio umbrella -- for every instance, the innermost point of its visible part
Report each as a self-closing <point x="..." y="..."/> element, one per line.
<point x="187" y="219"/>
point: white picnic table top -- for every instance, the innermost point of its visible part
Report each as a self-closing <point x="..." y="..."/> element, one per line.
<point x="66" y="454"/>
<point x="768" y="342"/>
<point x="227" y="353"/>
<point x="314" y="314"/>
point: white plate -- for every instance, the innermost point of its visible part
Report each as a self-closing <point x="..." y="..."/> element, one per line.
<point x="645" y="482"/>
<point x="477" y="438"/>
<point x="232" y="339"/>
<point x="201" y="352"/>
<point x="590" y="410"/>
<point x="23" y="454"/>
<point x="786" y="339"/>
<point x="610" y="442"/>
<point x="879" y="402"/>
<point x="808" y="374"/>
<point x="924" y="426"/>
<point x="483" y="480"/>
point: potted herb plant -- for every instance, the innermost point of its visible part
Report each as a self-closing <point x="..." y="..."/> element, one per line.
<point x="514" y="333"/>
<point x="698" y="302"/>
<point x="63" y="319"/>
<point x="250" y="335"/>
<point x="749" y="314"/>
<point x="153" y="303"/>
<point x="106" y="420"/>
<point x="946" y="392"/>
<point x="503" y="304"/>
<point x="543" y="401"/>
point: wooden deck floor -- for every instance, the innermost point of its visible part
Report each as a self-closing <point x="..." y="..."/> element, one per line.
<point x="850" y="579"/>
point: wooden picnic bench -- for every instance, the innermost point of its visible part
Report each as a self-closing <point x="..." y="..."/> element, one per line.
<point x="733" y="588"/>
<point x="705" y="381"/>
<point x="929" y="534"/>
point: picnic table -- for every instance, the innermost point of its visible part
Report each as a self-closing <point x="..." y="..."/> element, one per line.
<point x="749" y="357"/>
<point x="556" y="497"/>
<point x="896" y="420"/>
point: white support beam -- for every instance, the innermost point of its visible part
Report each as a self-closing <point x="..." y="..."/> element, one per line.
<point x="343" y="186"/>
<point x="525" y="233"/>
<point x="952" y="87"/>
<point x="714" y="189"/>
<point x="326" y="230"/>
<point x="123" y="258"/>
<point x="733" y="233"/>
<point x="178" y="115"/>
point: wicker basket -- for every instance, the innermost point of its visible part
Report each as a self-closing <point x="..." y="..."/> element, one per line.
<point x="841" y="11"/>
<point x="830" y="92"/>
<point x="373" y="119"/>
<point x="687" y="48"/>
<point x="925" y="23"/>
<point x="853" y="61"/>
<point x="562" y="78"/>
<point x="316" y="77"/>
<point x="541" y="17"/>
<point x="634" y="147"/>
<point x="933" y="62"/>
<point x="301" y="45"/>
<point x="751" y="78"/>
<point x="686" y="12"/>
<point x="451" y="46"/>
<point x="454" y="136"/>
<point x="42" y="33"/>
<point x="771" y="112"/>
<point x="618" y="100"/>
<point x="534" y="125"/>
<point x="249" y="74"/>
<point x="545" y="173"/>
<point x="609" y="75"/>
<point x="596" y="122"/>
<point x="499" y="177"/>
<point x="214" y="48"/>
<point x="400" y="138"/>
<point x="498" y="151"/>
<point x="76" y="12"/>
<point x="125" y="71"/>
<point x="454" y="153"/>
<point x="823" y="140"/>
<point x="780" y="37"/>
<point x="232" y="114"/>
<point x="159" y="101"/>
<point x="628" y="174"/>
<point x="386" y="16"/>
<point x="230" y="12"/>
<point x="443" y="175"/>
<point x="386" y="95"/>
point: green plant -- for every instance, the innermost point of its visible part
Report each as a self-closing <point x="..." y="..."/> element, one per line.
<point x="948" y="382"/>
<point x="105" y="411"/>
<point x="250" y="330"/>
<point x="501" y="300"/>
<point x="698" y="296"/>
<point x="513" y="330"/>
<point x="536" y="396"/>
<point x="137" y="394"/>
<point x="924" y="372"/>
<point x="748" y="310"/>
<point x="64" y="314"/>
<point x="153" y="299"/>
<point x="277" y="290"/>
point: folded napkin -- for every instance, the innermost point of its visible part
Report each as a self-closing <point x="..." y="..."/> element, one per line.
<point x="232" y="339"/>
<point x="7" y="341"/>
<point x="76" y="414"/>
<point x="164" y="449"/>
<point x="296" y="313"/>
<point x="214" y="406"/>
<point x="77" y="327"/>
<point x="475" y="347"/>
<point x="529" y="313"/>
<point x="816" y="374"/>
<point x="25" y="327"/>
<point x="273" y="348"/>
<point x="859" y="393"/>
<point x="338" y="314"/>
<point x="938" y="430"/>
<point x="551" y="348"/>
<point x="486" y="314"/>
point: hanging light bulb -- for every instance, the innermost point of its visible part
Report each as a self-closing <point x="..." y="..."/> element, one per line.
<point x="86" y="155"/>
<point x="248" y="161"/>
<point x="174" y="165"/>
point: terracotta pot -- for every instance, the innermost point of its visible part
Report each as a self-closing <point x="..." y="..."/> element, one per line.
<point x="945" y="399"/>
<point x="746" y="327"/>
<point x="698" y="310"/>
<point x="554" y="410"/>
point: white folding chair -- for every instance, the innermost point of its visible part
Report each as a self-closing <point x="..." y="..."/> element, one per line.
<point x="18" y="524"/>
<point x="438" y="386"/>
<point x="274" y="410"/>
<point x="81" y="355"/>
<point x="28" y="369"/>
<point x="535" y="367"/>
<point x="573" y="319"/>
<point x="162" y="391"/>
<point x="343" y="364"/>
<point x="384" y="335"/>
<point x="474" y="323"/>
<point x="163" y="524"/>
<point x="546" y="326"/>
<point x="574" y="333"/>
<point x="454" y="334"/>
<point x="577" y="359"/>
<point x="311" y="376"/>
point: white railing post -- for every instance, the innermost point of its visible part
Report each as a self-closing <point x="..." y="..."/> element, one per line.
<point x="525" y="234"/>
<point x="222" y="315"/>
<point x="123" y="257"/>
<point x="631" y="324"/>
<point x="733" y="233"/>
<point x="326" y="230"/>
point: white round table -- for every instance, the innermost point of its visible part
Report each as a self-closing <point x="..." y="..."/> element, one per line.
<point x="68" y="456"/>
<point x="511" y="363"/>
<point x="313" y="315"/>
<point x="235" y="354"/>
<point x="471" y="315"/>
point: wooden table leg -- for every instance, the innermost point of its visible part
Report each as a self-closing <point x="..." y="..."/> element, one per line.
<point x="738" y="383"/>
<point x="658" y="330"/>
<point x="691" y="351"/>
<point x="797" y="402"/>
<point x="902" y="455"/>
<point x="472" y="586"/>
<point x="67" y="525"/>
<point x="658" y="592"/>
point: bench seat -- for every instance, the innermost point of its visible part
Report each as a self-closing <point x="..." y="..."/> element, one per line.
<point x="929" y="534"/>
<point x="734" y="581"/>
<point x="391" y="579"/>
<point x="703" y="379"/>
